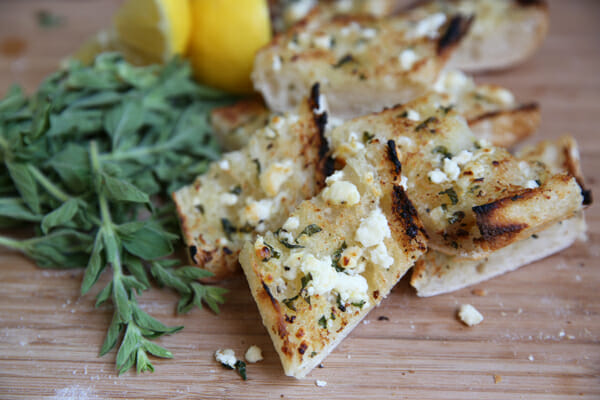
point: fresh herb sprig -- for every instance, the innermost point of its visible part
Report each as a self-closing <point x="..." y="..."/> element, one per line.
<point x="87" y="161"/>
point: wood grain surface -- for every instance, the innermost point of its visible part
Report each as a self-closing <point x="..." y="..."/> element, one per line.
<point x="540" y="338"/>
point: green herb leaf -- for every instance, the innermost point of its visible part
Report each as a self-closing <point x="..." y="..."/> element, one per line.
<point x="61" y="215"/>
<point x="121" y="190"/>
<point x="451" y="195"/>
<point x="25" y="184"/>
<point x="323" y="322"/>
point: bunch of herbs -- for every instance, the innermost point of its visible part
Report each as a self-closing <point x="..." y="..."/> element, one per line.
<point x="87" y="163"/>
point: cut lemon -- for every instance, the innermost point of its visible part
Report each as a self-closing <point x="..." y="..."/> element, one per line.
<point x="157" y="29"/>
<point x="226" y="34"/>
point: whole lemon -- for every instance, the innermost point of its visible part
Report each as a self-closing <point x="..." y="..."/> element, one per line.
<point x="226" y="34"/>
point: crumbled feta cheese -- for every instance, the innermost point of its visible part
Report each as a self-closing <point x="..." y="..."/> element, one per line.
<point x="429" y="26"/>
<point x="451" y="82"/>
<point x="323" y="41"/>
<point x="413" y="116"/>
<point x="350" y="147"/>
<point x="351" y="288"/>
<point x="322" y="104"/>
<point x="274" y="176"/>
<point x="299" y="9"/>
<point x="336" y="176"/>
<point x="404" y="141"/>
<point x="291" y="224"/>
<point x="341" y="192"/>
<point x="253" y="354"/>
<point x="291" y="265"/>
<point x="531" y="184"/>
<point x="437" y="176"/>
<point x="270" y="133"/>
<point x="256" y="211"/>
<point x="224" y="165"/>
<point x="407" y="59"/>
<point x="530" y="358"/>
<point x="226" y="357"/>
<point x="451" y="169"/>
<point x="463" y="157"/>
<point x="369" y="33"/>
<point x="276" y="65"/>
<point x="320" y="383"/>
<point x="373" y="229"/>
<point x="344" y="5"/>
<point x="277" y="122"/>
<point x="469" y="315"/>
<point x="404" y="182"/>
<point x="504" y="96"/>
<point x="229" y="199"/>
<point x="380" y="256"/>
<point x="350" y="258"/>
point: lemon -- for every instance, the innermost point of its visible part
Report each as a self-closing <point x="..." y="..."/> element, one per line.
<point x="226" y="35"/>
<point x="155" y="29"/>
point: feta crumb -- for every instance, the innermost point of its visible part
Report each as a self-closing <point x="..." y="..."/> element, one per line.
<point x="469" y="315"/>
<point x="341" y="192"/>
<point x="451" y="82"/>
<point x="463" y="157"/>
<point x="380" y="256"/>
<point x="437" y="176"/>
<point x="270" y="133"/>
<point x="413" y="115"/>
<point x="369" y="33"/>
<point x="451" y="169"/>
<point x="429" y="26"/>
<point x="323" y="41"/>
<point x="350" y="257"/>
<point x="504" y="96"/>
<point x="228" y="199"/>
<point x="274" y="176"/>
<point x="224" y="165"/>
<point x="407" y="59"/>
<point x="530" y="358"/>
<point x="291" y="224"/>
<point x="299" y="9"/>
<point x="320" y="383"/>
<point x="373" y="229"/>
<point x="256" y="211"/>
<point x="404" y="182"/>
<point x="336" y="176"/>
<point x="531" y="184"/>
<point x="253" y="354"/>
<point x="276" y="65"/>
<point x="226" y="357"/>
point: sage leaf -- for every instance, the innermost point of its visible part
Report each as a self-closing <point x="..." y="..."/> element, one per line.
<point x="60" y="216"/>
<point x="25" y="184"/>
<point x="121" y="190"/>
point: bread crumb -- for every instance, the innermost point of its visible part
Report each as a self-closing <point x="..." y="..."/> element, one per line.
<point x="226" y="357"/>
<point x="320" y="383"/>
<point x="469" y="315"/>
<point x="253" y="354"/>
<point x="479" y="292"/>
<point x="497" y="378"/>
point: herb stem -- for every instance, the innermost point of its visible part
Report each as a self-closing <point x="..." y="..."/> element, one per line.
<point x="12" y="243"/>
<point x="49" y="186"/>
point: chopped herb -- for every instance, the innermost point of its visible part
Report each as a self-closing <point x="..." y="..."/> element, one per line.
<point x="454" y="244"/>
<point x="456" y="217"/>
<point x="332" y="316"/>
<point x="305" y="279"/>
<point x="344" y="60"/>
<point x="444" y="207"/>
<point x="323" y="322"/>
<point x="272" y="252"/>
<point x="200" y="208"/>
<point x="335" y="259"/>
<point x="312" y="354"/>
<point x="476" y="145"/>
<point x="240" y="367"/>
<point x="290" y="245"/>
<point x="443" y="150"/>
<point x="359" y="304"/>
<point x="289" y="303"/>
<point x="258" y="167"/>
<point x="307" y="299"/>
<point x="446" y="110"/>
<point x="451" y="194"/>
<point x="403" y="115"/>
<point x="474" y="188"/>
<point x="362" y="76"/>
<point x="423" y="125"/>
<point x="534" y="236"/>
<point x="340" y="305"/>
<point x="539" y="183"/>
<point x="237" y="190"/>
<point x="309" y="230"/>
<point x="368" y="137"/>
<point x="228" y="227"/>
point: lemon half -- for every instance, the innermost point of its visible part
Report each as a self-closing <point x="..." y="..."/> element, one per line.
<point x="226" y="34"/>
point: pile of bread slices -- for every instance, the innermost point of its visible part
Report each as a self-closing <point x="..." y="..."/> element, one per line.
<point x="373" y="154"/>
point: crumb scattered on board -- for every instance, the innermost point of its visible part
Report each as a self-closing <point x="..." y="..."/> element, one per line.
<point x="469" y="315"/>
<point x="320" y="383"/>
<point x="497" y="378"/>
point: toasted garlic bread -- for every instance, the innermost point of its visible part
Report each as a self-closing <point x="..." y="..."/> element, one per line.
<point x="363" y="64"/>
<point x="492" y="112"/>
<point x="504" y="33"/>
<point x="436" y="273"/>
<point x="472" y="197"/>
<point x="254" y="189"/>
<point x="234" y="124"/>
<point x="335" y="258"/>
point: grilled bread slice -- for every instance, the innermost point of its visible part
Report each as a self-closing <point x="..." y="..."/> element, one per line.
<point x="504" y="33"/>
<point x="437" y="273"/>
<point x="253" y="189"/>
<point x="472" y="197"/>
<point x="492" y="113"/>
<point x="335" y="258"/>
<point x="363" y="64"/>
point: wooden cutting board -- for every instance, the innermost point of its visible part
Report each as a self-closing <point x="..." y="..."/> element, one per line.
<point x="539" y="340"/>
